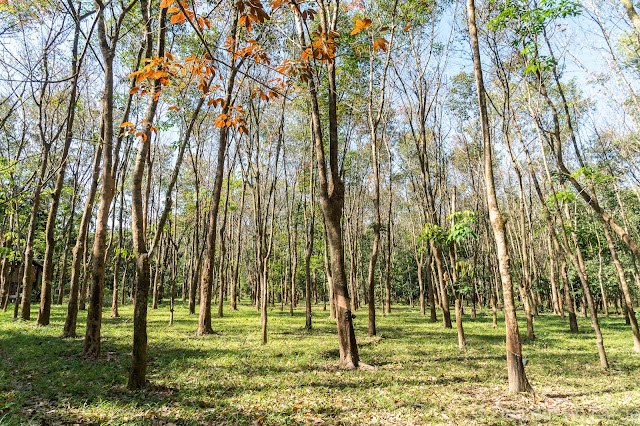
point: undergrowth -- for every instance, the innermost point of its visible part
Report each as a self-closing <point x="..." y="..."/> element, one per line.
<point x="417" y="373"/>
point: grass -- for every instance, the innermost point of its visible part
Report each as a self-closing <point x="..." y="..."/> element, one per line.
<point x="418" y="377"/>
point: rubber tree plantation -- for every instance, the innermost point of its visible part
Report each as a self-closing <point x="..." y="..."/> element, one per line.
<point x="319" y="212"/>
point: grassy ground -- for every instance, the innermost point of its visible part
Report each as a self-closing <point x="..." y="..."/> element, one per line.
<point x="418" y="376"/>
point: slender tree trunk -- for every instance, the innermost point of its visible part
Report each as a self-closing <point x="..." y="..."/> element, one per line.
<point x="5" y="273"/>
<point x="118" y="257"/>
<point x="633" y="15"/>
<point x="206" y="282"/>
<point x="195" y="261"/>
<point x="431" y="289"/>
<point x="294" y="267"/>
<point x="222" y="276"/>
<point x="374" y="118"/>
<point x="605" y="304"/>
<point x="419" y="264"/>
<point x="577" y="257"/>
<point x="517" y="378"/>
<point x="332" y="197"/>
<point x="453" y="257"/>
<point x="309" y="215"/>
<point x="27" y="278"/>
<point x="16" y="307"/>
<point x="236" y="269"/>
<point x="137" y="372"/>
<point x="67" y="244"/>
<point x="444" y="294"/>
<point x="387" y="265"/>
<point x="573" y="324"/>
<point x="555" y="296"/>
<point x="79" y="249"/>
<point x="91" y="346"/>
<point x="44" y="313"/>
<point x="625" y="290"/>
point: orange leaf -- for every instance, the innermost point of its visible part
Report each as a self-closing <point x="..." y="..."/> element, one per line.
<point x="381" y="44"/>
<point x="361" y="25"/>
<point x="166" y="3"/>
<point x="142" y="135"/>
<point x="407" y="27"/>
<point x="174" y="108"/>
<point x="134" y="90"/>
<point x="177" y="17"/>
<point x="126" y="124"/>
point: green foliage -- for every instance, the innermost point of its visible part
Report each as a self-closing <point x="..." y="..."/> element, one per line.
<point x="529" y="22"/>
<point x="563" y="196"/>
<point x="432" y="232"/>
<point x="628" y="49"/>
<point x="593" y="174"/>
<point x="461" y="229"/>
<point x="462" y="98"/>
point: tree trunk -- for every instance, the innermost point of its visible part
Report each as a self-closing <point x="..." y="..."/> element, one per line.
<point x="118" y="257"/>
<point x="222" y="276"/>
<point x="27" y="278"/>
<point x="431" y="289"/>
<point x="631" y="12"/>
<point x="67" y="244"/>
<point x="236" y="269"/>
<point x="603" y="295"/>
<point x="79" y="248"/>
<point x="44" y="313"/>
<point x="138" y="370"/>
<point x="517" y="378"/>
<point x="444" y="294"/>
<point x="91" y="346"/>
<point x="332" y="197"/>
<point x="309" y="215"/>
<point x="625" y="290"/>
<point x="555" y="294"/>
<point x="206" y="282"/>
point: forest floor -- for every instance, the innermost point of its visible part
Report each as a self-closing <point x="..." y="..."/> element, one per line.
<point x="418" y="375"/>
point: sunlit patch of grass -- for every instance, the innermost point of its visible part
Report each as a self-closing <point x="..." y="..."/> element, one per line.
<point x="419" y="376"/>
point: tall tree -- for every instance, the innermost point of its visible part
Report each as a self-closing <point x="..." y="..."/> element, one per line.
<point x="331" y="186"/>
<point x="515" y="368"/>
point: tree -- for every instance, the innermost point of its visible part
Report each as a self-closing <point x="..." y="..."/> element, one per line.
<point x="108" y="40"/>
<point x="515" y="368"/>
<point x="331" y="185"/>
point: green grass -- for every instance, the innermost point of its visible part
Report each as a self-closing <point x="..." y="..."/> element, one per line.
<point x="418" y="377"/>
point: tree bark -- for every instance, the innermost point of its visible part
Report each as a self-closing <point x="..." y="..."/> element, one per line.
<point x="236" y="269"/>
<point x="631" y="12"/>
<point x="27" y="259"/>
<point x="44" y="313"/>
<point x="138" y="369"/>
<point x="309" y="215"/>
<point x="625" y="290"/>
<point x="206" y="282"/>
<point x="517" y="378"/>
<point x="92" y="340"/>
<point x="78" y="249"/>
<point x="331" y="193"/>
